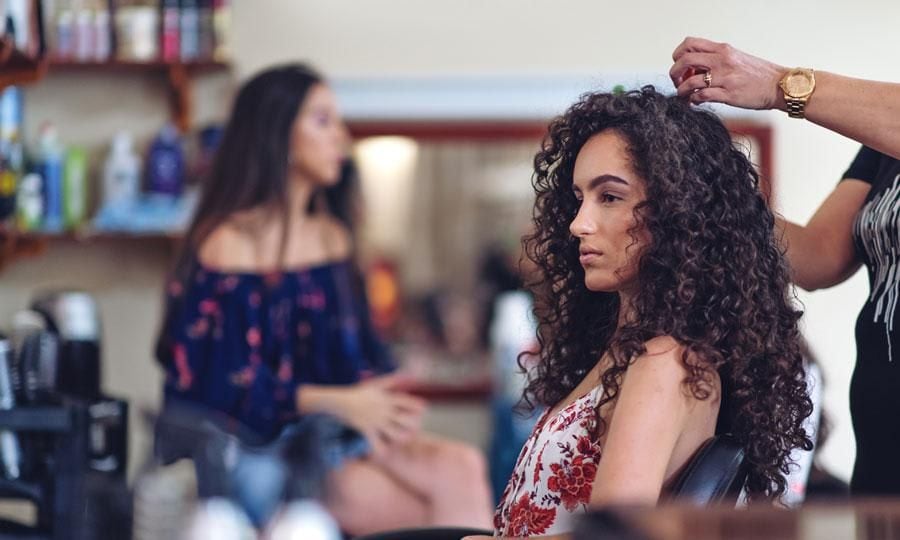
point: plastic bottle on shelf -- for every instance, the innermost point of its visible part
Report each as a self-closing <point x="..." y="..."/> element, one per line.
<point x="305" y="519"/>
<point x="29" y="202"/>
<point x="18" y="27"/>
<point x="8" y="184"/>
<point x="206" y="32"/>
<point x="65" y="30"/>
<point x="171" y="23"/>
<point x="222" y="30"/>
<point x="10" y="148"/>
<point x="50" y="158"/>
<point x="137" y="31"/>
<point x="121" y="173"/>
<point x="165" y="163"/>
<point x="102" y="32"/>
<point x="12" y="166"/>
<point x="190" y="30"/>
<point x="83" y="34"/>
<point x="75" y="188"/>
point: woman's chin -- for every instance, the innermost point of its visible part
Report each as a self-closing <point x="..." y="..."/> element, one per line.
<point x="595" y="286"/>
<point x="602" y="284"/>
<point x="326" y="179"/>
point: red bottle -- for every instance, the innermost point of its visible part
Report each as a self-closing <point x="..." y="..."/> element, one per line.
<point x="171" y="42"/>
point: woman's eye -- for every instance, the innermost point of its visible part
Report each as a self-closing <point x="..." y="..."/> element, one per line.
<point x="607" y="197"/>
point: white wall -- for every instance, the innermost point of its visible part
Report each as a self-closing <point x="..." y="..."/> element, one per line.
<point x="415" y="38"/>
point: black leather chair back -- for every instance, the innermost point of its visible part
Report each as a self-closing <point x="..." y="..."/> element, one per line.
<point x="714" y="475"/>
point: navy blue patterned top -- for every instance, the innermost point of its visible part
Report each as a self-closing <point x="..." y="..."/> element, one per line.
<point x="241" y="343"/>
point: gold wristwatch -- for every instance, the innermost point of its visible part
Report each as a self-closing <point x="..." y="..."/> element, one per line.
<point x="798" y="84"/>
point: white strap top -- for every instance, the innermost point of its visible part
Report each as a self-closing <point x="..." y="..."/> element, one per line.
<point x="554" y="474"/>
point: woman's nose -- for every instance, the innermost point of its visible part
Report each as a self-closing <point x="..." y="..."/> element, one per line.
<point x="582" y="225"/>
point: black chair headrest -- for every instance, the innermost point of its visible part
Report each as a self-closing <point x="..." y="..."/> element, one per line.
<point x="715" y="474"/>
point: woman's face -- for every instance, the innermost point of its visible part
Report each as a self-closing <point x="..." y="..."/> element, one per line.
<point x="318" y="138"/>
<point x="608" y="189"/>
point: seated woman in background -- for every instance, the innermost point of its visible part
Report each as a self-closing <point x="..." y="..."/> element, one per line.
<point x="664" y="312"/>
<point x="266" y="318"/>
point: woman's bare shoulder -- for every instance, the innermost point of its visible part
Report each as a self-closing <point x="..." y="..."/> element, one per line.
<point x="670" y="363"/>
<point x="235" y="244"/>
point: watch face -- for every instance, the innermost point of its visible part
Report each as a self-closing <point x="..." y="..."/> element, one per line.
<point x="798" y="84"/>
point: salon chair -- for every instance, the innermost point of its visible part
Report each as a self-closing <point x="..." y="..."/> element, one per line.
<point x="714" y="475"/>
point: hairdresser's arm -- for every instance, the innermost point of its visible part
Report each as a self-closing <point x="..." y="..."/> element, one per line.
<point x="867" y="111"/>
<point x="822" y="254"/>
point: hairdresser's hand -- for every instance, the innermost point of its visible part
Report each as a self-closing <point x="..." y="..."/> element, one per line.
<point x="736" y="78"/>
<point x="382" y="414"/>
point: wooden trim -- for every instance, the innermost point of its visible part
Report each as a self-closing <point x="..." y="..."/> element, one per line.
<point x="443" y="130"/>
<point x="131" y="66"/>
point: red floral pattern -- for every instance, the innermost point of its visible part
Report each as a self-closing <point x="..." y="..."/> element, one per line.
<point x="554" y="474"/>
<point x="573" y="480"/>
<point x="527" y="518"/>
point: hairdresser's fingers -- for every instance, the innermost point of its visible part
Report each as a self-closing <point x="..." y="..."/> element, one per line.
<point x="709" y="95"/>
<point x="695" y="44"/>
<point x="691" y="64"/>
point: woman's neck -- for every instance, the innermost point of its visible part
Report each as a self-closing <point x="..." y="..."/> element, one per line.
<point x="300" y="193"/>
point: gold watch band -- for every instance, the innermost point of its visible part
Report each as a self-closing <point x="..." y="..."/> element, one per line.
<point x="796" y="108"/>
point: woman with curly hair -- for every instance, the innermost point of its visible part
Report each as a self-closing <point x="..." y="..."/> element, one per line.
<point x="664" y="309"/>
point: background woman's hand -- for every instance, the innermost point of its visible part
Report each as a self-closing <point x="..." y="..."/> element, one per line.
<point x="736" y="78"/>
<point x="381" y="413"/>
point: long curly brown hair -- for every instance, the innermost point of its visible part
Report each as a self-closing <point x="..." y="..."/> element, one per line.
<point x="712" y="276"/>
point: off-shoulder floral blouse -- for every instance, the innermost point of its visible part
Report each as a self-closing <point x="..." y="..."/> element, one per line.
<point x="242" y="343"/>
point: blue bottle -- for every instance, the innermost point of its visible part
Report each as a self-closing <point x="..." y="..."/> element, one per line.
<point x="50" y="159"/>
<point x="165" y="164"/>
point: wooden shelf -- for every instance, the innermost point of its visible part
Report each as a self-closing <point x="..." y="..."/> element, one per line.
<point x="90" y="235"/>
<point x="18" y="68"/>
<point x="126" y="66"/>
<point x="15" y="244"/>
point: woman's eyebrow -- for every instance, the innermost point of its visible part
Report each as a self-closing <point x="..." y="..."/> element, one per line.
<point x="597" y="181"/>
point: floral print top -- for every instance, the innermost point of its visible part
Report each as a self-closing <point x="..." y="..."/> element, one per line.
<point x="241" y="343"/>
<point x="554" y="474"/>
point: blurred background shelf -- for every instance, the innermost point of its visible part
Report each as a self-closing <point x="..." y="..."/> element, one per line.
<point x="16" y="67"/>
<point x="125" y="66"/>
<point x="15" y="244"/>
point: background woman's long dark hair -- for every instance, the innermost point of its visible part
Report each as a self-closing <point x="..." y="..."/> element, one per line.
<point x="712" y="277"/>
<point x="251" y="166"/>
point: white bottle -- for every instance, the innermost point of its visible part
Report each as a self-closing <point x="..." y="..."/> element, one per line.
<point x="102" y="32"/>
<point x="305" y="519"/>
<point x="121" y="173"/>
